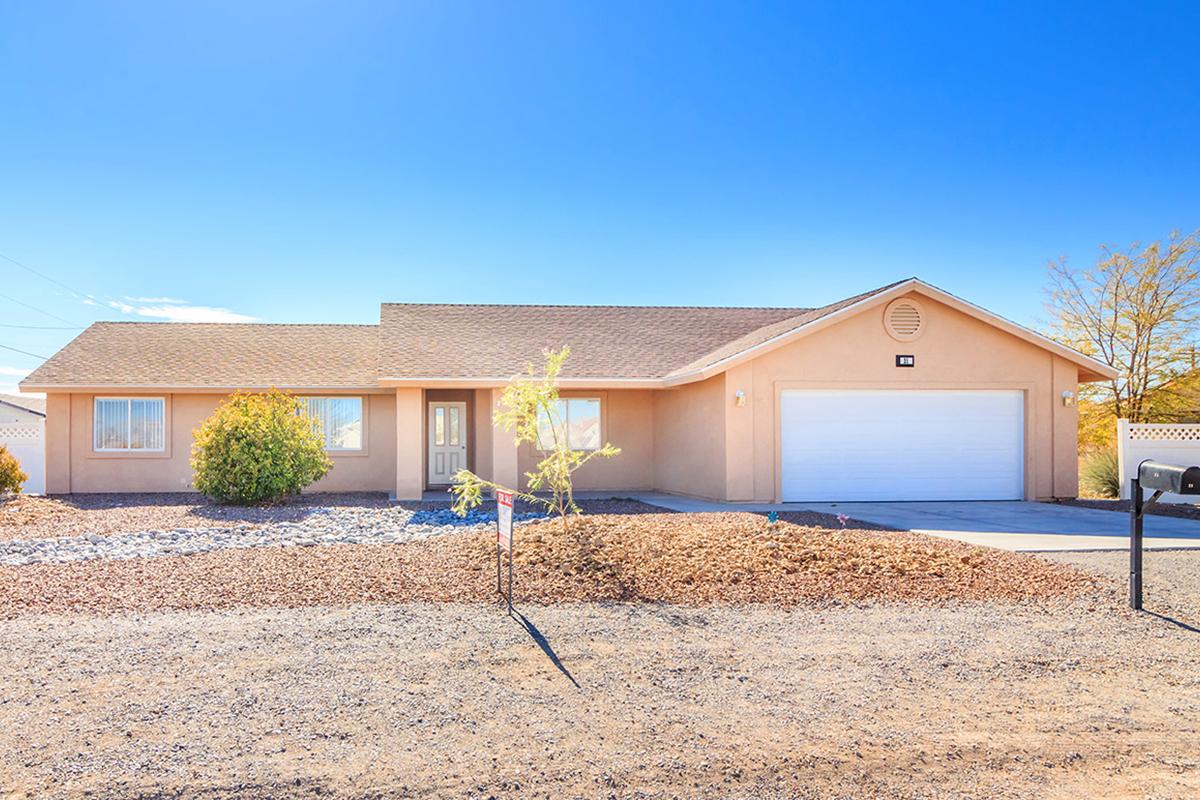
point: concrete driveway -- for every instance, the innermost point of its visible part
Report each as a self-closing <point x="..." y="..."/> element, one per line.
<point x="1009" y="525"/>
<point x="1022" y="525"/>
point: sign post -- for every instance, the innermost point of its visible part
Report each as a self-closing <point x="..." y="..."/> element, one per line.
<point x="504" y="523"/>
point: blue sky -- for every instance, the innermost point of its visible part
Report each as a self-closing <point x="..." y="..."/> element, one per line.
<point x="304" y="161"/>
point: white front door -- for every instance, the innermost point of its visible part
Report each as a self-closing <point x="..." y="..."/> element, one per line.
<point x="447" y="441"/>
<point x="910" y="444"/>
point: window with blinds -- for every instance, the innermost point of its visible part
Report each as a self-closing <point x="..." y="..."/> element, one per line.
<point x="575" y="420"/>
<point x="340" y="418"/>
<point x="134" y="424"/>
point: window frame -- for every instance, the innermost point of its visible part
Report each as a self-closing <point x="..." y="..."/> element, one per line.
<point x="362" y="420"/>
<point x="599" y="401"/>
<point x="128" y="400"/>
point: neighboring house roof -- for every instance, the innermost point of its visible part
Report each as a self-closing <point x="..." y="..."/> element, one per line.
<point x="34" y="405"/>
<point x="207" y="355"/>
<point x="439" y="344"/>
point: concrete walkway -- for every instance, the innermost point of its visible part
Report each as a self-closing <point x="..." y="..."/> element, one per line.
<point x="1008" y="525"/>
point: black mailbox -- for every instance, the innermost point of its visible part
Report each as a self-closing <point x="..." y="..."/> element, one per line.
<point x="1161" y="479"/>
<point x="1169" y="478"/>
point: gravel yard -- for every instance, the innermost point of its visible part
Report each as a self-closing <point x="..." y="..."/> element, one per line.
<point x="49" y="530"/>
<point x="1064" y="700"/>
<point x="33" y="518"/>
<point x="789" y="660"/>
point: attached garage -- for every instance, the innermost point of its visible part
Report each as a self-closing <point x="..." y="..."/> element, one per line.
<point x="902" y="444"/>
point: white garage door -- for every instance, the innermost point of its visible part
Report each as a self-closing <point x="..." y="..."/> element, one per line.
<point x="902" y="445"/>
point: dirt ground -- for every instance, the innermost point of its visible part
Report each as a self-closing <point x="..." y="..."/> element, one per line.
<point x="1069" y="700"/>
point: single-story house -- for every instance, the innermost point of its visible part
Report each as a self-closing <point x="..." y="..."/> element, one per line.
<point x="23" y="432"/>
<point x="905" y="392"/>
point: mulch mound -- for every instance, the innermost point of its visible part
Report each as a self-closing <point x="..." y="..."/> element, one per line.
<point x="689" y="559"/>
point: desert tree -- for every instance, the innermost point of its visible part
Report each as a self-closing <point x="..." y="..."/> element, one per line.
<point x="530" y="408"/>
<point x="1135" y="310"/>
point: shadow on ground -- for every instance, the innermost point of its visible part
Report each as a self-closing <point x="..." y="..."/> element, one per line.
<point x="544" y="644"/>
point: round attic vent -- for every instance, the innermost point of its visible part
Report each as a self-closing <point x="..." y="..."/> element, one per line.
<point x="904" y="319"/>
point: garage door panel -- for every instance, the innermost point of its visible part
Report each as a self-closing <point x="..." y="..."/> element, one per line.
<point x="902" y="445"/>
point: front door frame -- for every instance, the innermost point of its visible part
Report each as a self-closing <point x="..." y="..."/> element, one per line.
<point x="431" y="477"/>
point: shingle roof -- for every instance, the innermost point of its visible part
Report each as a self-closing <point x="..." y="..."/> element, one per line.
<point x="773" y="329"/>
<point x="215" y="355"/>
<point x="485" y="341"/>
<point x="35" y="404"/>
<point x="420" y="341"/>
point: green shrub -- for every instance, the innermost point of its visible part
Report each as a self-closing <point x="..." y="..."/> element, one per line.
<point x="258" y="447"/>
<point x="11" y="474"/>
<point x="1098" y="474"/>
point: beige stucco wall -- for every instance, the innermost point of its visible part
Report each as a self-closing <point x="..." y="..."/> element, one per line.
<point x="73" y="466"/>
<point x="955" y="351"/>
<point x="627" y="421"/>
<point x="689" y="439"/>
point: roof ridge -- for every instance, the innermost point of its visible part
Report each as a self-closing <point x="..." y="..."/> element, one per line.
<point x="238" y="324"/>
<point x="600" y="306"/>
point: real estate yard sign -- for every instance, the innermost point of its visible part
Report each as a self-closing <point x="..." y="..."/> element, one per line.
<point x="504" y="523"/>
<point x="504" y="511"/>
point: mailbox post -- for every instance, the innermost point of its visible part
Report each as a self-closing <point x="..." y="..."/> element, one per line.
<point x="1161" y="478"/>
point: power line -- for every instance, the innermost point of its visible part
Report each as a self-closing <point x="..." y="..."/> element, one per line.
<point x="42" y="275"/>
<point x="22" y="352"/>
<point x="35" y="308"/>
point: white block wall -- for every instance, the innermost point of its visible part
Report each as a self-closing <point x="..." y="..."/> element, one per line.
<point x="1168" y="443"/>
<point x="27" y="441"/>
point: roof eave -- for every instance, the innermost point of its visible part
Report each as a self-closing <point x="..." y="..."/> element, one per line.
<point x="484" y="382"/>
<point x="92" y="388"/>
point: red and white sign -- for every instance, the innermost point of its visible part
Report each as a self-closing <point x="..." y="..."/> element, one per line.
<point x="504" y="519"/>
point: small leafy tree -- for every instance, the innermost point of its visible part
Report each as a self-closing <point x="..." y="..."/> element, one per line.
<point x="529" y="408"/>
<point x="11" y="474"/>
<point x="258" y="447"/>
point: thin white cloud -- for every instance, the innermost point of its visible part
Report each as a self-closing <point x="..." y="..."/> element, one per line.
<point x="162" y="300"/>
<point x="18" y="371"/>
<point x="170" y="310"/>
<point x="191" y="314"/>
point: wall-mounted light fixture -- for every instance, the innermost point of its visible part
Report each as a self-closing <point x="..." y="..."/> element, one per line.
<point x="1068" y="398"/>
<point x="739" y="398"/>
<point x="906" y="361"/>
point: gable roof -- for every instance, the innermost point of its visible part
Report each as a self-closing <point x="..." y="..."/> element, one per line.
<point x="447" y="342"/>
<point x="34" y="405"/>
<point x="765" y="341"/>
<point x="439" y="344"/>
<point x="206" y="355"/>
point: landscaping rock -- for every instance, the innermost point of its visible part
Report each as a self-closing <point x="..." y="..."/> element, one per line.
<point x="321" y="526"/>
